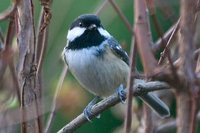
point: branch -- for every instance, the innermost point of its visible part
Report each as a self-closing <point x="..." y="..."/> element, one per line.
<point x="26" y="65"/>
<point x="166" y="50"/>
<point x="130" y="83"/>
<point x="171" y="126"/>
<point x="121" y="15"/>
<point x="143" y="37"/>
<point x="187" y="102"/>
<point x="159" y="45"/>
<point x="7" y="53"/>
<point x="140" y="88"/>
<point x="7" y="13"/>
<point x="101" y="7"/>
<point x="47" y="14"/>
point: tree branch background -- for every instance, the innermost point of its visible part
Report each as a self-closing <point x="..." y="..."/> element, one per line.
<point x="35" y="96"/>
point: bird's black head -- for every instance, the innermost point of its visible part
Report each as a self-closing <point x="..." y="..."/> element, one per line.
<point x="86" y="31"/>
<point x="86" y="21"/>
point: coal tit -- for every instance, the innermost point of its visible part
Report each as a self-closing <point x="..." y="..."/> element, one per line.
<point x="99" y="63"/>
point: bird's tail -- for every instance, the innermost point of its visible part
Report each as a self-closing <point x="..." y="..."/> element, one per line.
<point x="156" y="104"/>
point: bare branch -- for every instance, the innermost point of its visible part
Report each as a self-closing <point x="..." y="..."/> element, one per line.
<point x="46" y="15"/>
<point x="166" y="50"/>
<point x="130" y="83"/>
<point x="186" y="103"/>
<point x="103" y="5"/>
<point x="143" y="38"/>
<point x="140" y="88"/>
<point x="121" y="15"/>
<point x="26" y="65"/>
<point x="159" y="45"/>
<point x="7" y="13"/>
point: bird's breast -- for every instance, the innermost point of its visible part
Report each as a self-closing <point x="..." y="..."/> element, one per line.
<point x="100" y="75"/>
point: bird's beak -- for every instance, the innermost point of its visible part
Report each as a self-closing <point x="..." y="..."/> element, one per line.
<point x="92" y="27"/>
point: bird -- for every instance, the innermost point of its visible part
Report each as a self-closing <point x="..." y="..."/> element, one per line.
<point x="98" y="62"/>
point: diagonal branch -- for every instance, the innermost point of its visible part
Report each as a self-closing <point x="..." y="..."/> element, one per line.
<point x="121" y="15"/>
<point x="140" y="88"/>
<point x="7" y="13"/>
<point x="101" y="7"/>
<point x="130" y="83"/>
<point x="159" y="45"/>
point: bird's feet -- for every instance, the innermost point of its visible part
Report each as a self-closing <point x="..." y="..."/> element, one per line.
<point x="87" y="111"/>
<point x="121" y="93"/>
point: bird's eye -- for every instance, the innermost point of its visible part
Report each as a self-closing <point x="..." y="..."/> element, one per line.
<point x="80" y="24"/>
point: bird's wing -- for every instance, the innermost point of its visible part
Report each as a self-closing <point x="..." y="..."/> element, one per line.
<point x="117" y="50"/>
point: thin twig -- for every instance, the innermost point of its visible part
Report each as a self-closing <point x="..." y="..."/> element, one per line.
<point x="128" y="120"/>
<point x="10" y="33"/>
<point x="101" y="7"/>
<point x="47" y="14"/>
<point x="166" y="50"/>
<point x="158" y="28"/>
<point x="121" y="15"/>
<point x="159" y="45"/>
<point x="140" y="88"/>
<point x="41" y="43"/>
<point x="8" y="12"/>
<point x="54" y="103"/>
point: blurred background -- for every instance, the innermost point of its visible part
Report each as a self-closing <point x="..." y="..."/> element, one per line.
<point x="73" y="98"/>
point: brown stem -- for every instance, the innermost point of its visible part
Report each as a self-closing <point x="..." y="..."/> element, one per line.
<point x="130" y="83"/>
<point x="142" y="35"/>
<point x="41" y="43"/>
<point x="121" y="15"/>
<point x="26" y="65"/>
<point x="159" y="45"/>
<point x="101" y="7"/>
<point x="166" y="50"/>
<point x="189" y="94"/>
<point x="183" y="110"/>
<point x="7" y="13"/>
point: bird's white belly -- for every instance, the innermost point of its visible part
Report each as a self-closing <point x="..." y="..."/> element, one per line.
<point x="99" y="75"/>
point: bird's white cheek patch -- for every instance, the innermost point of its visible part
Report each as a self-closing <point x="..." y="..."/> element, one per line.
<point x="104" y="32"/>
<point x="74" y="33"/>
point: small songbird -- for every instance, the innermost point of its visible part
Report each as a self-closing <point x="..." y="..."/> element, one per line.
<point x="98" y="62"/>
